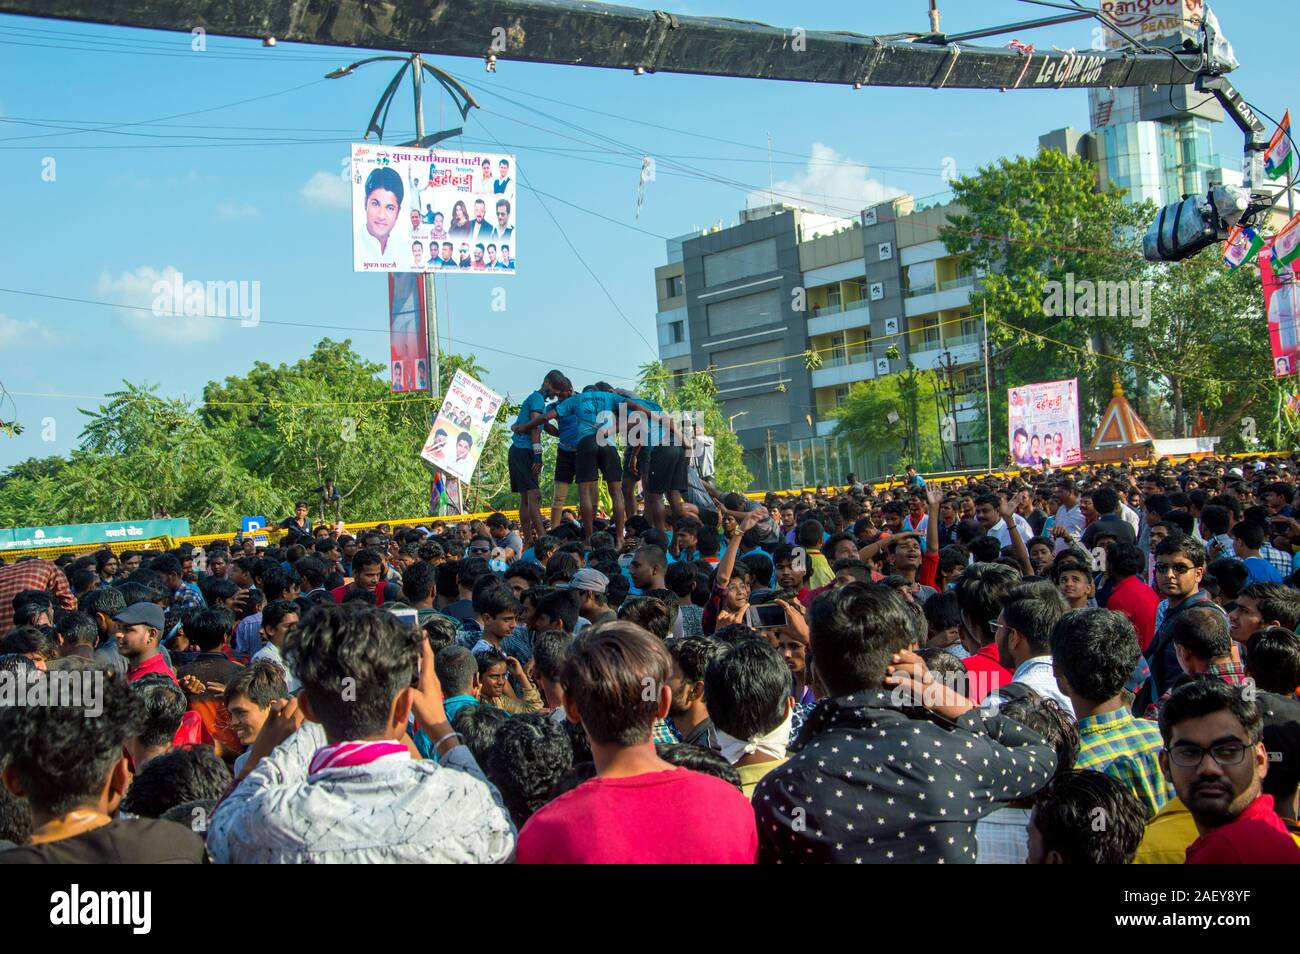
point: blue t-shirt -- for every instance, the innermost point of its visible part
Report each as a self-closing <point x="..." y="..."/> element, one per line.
<point x="591" y="409"/>
<point x="654" y="431"/>
<point x="569" y="428"/>
<point x="534" y="402"/>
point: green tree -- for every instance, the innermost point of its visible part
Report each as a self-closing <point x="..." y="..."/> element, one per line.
<point x="887" y="417"/>
<point x="699" y="393"/>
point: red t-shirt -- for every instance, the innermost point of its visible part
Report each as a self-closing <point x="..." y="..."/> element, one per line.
<point x="155" y="665"/>
<point x="1138" y="602"/>
<point x="1257" y="837"/>
<point x="984" y="673"/>
<point x="672" y="817"/>
<point x="341" y="591"/>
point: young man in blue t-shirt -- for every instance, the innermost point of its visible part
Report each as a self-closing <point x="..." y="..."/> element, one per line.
<point x="525" y="457"/>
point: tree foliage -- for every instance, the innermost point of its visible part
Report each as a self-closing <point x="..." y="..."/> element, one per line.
<point x="889" y="417"/>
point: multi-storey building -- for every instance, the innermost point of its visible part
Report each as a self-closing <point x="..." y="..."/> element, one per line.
<point x="750" y="301"/>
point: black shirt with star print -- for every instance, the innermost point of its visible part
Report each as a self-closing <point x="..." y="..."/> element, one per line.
<point x="870" y="781"/>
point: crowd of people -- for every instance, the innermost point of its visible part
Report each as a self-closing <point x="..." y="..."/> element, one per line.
<point x="1097" y="665"/>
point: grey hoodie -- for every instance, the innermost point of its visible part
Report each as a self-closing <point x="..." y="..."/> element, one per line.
<point x="409" y="812"/>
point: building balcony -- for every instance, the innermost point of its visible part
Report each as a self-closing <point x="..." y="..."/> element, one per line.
<point x="830" y="318"/>
<point x="824" y="428"/>
<point x="946" y="296"/>
<point x="838" y="369"/>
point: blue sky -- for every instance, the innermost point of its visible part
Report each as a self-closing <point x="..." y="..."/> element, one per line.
<point x="252" y="192"/>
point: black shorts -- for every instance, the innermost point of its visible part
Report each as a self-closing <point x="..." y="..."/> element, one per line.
<point x="520" y="462"/>
<point x="642" y="456"/>
<point x="667" y="470"/>
<point x="597" y="460"/>
<point x="566" y="463"/>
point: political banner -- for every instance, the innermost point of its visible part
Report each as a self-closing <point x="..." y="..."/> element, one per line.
<point x="1043" y="423"/>
<point x="407" y="333"/>
<point x="1282" y="305"/>
<point x="421" y="210"/>
<point x="461" y="429"/>
<point x="32" y="538"/>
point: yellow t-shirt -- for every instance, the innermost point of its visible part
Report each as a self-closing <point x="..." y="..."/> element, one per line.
<point x="1167" y="836"/>
<point x="750" y="775"/>
<point x="821" y="570"/>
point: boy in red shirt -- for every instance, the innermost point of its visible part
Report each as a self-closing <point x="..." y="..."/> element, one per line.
<point x="1216" y="760"/>
<point x="638" y="808"/>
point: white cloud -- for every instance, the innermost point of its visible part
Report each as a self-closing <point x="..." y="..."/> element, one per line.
<point x="227" y="211"/>
<point x="830" y="183"/>
<point x="146" y="310"/>
<point x="24" y="334"/>
<point x="326" y="189"/>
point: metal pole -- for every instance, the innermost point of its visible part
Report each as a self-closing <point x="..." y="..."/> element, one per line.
<point x="426" y="279"/>
<point x="988" y="399"/>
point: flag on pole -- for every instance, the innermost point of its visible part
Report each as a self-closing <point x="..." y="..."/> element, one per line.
<point x="1243" y="244"/>
<point x="1279" y="157"/>
<point x="1285" y="247"/>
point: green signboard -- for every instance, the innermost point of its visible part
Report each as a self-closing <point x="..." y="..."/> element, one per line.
<point x="33" y="538"/>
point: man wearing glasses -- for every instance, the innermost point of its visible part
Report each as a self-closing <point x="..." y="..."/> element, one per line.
<point x="1179" y="569"/>
<point x="1215" y="757"/>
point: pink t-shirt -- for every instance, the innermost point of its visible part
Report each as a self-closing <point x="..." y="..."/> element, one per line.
<point x="672" y="817"/>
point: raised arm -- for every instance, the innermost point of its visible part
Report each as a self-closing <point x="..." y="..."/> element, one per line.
<point x="1018" y="548"/>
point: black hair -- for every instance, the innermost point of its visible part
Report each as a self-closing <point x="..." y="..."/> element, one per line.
<point x="188" y="774"/>
<point x="15" y="818"/>
<point x="1182" y="544"/>
<point x="1096" y="651"/>
<point x="855" y="629"/>
<point x="528" y="757"/>
<point x="1251" y="534"/>
<point x="680" y="578"/>
<point x="981" y="590"/>
<point x="366" y="557"/>
<point x="386" y="178"/>
<point x="29" y="639"/>
<point x="62" y="757"/>
<point x="456" y="668"/>
<point x="447" y="579"/>
<point x="1228" y="574"/>
<point x="735" y="633"/>
<point x="699" y="759"/>
<point x="942" y="611"/>
<point x="760" y="568"/>
<point x="77" y="629"/>
<point x="107" y="600"/>
<point x="352" y="661"/>
<point x="478" y="725"/>
<point x="746" y="688"/>
<point x="1204" y="695"/>
<point x="1273" y="660"/>
<point x="1277" y="603"/>
<point x="563" y="605"/>
<point x="1089" y="818"/>
<point x="487" y="658"/>
<point x="605" y="673"/>
<point x="260" y="682"/>
<point x="810" y="534"/>
<point x="549" y="649"/>
<point x="950" y="670"/>
<point x="1203" y="633"/>
<point x="524" y="570"/>
<point x="1125" y="559"/>
<point x="278" y="581"/>
<point x="1050" y="720"/>
<point x="1032" y="612"/>
<point x="650" y="613"/>
<point x="160" y="704"/>
<point x="708" y="542"/>
<point x="694" y="654"/>
<point x="209" y="628"/>
<point x="1215" y="519"/>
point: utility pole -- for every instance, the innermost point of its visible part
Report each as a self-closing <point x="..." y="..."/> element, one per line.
<point x="426" y="279"/>
<point x="988" y="391"/>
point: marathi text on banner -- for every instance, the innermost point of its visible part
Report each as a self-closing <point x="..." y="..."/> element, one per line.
<point x="420" y="210"/>
<point x="1043" y="423"/>
<point x="462" y="427"/>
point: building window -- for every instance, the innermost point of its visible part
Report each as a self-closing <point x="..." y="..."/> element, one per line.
<point x="841" y="395"/>
<point x="677" y="331"/>
<point x="676" y="285"/>
<point x="679" y="378"/>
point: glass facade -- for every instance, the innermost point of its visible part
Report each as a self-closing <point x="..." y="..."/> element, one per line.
<point x="1160" y="161"/>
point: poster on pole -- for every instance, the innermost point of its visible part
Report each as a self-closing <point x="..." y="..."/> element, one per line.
<point x="462" y="427"/>
<point x="1043" y="423"/>
<point x="422" y="210"/>
<point x="1282" y="305"/>
<point x="407" y="335"/>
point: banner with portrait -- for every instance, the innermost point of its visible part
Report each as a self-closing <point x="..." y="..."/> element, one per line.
<point x="407" y="334"/>
<point x="461" y="429"/>
<point x="1281" y="305"/>
<point x="421" y="210"/>
<point x="1043" y="423"/>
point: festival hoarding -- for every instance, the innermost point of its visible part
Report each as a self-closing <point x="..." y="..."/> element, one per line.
<point x="420" y="210"/>
<point x="1282" y="306"/>
<point x="1043" y="423"/>
<point x="461" y="430"/>
<point x="407" y="334"/>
